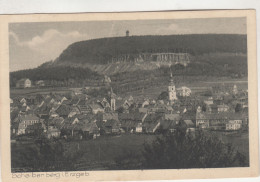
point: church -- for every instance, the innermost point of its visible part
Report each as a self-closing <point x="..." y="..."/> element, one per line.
<point x="172" y="91"/>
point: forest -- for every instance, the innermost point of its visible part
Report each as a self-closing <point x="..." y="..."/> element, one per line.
<point x="212" y="56"/>
<point x="101" y="51"/>
<point x="74" y="76"/>
<point x="58" y="76"/>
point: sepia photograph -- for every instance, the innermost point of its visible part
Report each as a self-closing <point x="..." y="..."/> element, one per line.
<point x="117" y="94"/>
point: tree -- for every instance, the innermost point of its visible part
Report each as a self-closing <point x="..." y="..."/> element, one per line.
<point x="238" y="108"/>
<point x="163" y="96"/>
<point x="178" y="150"/>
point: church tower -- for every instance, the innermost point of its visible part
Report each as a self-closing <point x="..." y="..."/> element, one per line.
<point x="112" y="100"/>
<point x="172" y="90"/>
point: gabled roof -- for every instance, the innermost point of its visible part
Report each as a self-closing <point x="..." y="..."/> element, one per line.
<point x="90" y="127"/>
<point x="172" y="117"/>
<point x="129" y="124"/>
<point x="82" y="103"/>
<point x="223" y="116"/>
<point x="63" y="110"/>
<point x="189" y="116"/>
<point x="95" y="106"/>
<point x="168" y="124"/>
<point x="66" y="102"/>
<point x="110" y="115"/>
<point x="28" y="117"/>
<point x="75" y="101"/>
<point x="189" y="123"/>
<point x="22" y="80"/>
<point x="112" y="123"/>
<point x="136" y="116"/>
<point x="43" y="109"/>
<point x="151" y="118"/>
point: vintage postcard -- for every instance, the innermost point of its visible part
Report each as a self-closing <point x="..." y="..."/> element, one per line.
<point x="128" y="96"/>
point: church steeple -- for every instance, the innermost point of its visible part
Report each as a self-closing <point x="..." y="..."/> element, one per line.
<point x="112" y="100"/>
<point x="171" y="89"/>
<point x="171" y="79"/>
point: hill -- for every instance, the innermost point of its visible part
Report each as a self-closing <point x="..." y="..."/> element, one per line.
<point x="59" y="76"/>
<point x="85" y="63"/>
<point x="102" y="51"/>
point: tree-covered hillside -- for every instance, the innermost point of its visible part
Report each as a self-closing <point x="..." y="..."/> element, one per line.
<point x="101" y="51"/>
<point x="58" y="76"/>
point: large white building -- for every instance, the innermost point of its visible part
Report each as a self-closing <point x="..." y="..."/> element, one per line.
<point x="24" y="83"/>
<point x="184" y="91"/>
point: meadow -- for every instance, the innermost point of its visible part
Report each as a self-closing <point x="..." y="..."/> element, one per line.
<point x="102" y="153"/>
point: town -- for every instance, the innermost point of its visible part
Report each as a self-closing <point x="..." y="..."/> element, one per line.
<point x="78" y="116"/>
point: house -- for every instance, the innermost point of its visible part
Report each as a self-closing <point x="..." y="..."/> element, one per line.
<point x="64" y="99"/>
<point x="235" y="121"/>
<point x="90" y="130"/>
<point x="126" y="105"/>
<point x="84" y="107"/>
<point x="57" y="122"/>
<point x="212" y="108"/>
<point x="23" y="100"/>
<point x="24" y="109"/>
<point x="40" y="83"/>
<point x="139" y="128"/>
<point x="209" y="101"/>
<point x="131" y="122"/>
<point x="75" y="101"/>
<point x="152" y="122"/>
<point x="30" y="100"/>
<point x="172" y="117"/>
<point x="63" y="110"/>
<point x="39" y="98"/>
<point x="105" y="104"/>
<point x="53" y="132"/>
<point x="74" y="110"/>
<point x="168" y="126"/>
<point x="223" y="108"/>
<point x="23" y="83"/>
<point x="36" y="129"/>
<point x="145" y="103"/>
<point x="183" y="91"/>
<point x="23" y="122"/>
<point x="234" y="125"/>
<point x="70" y="128"/>
<point x="43" y="110"/>
<point x="76" y="91"/>
<point x="96" y="107"/>
<point x="202" y="121"/>
<point x="111" y="127"/>
<point x="53" y="114"/>
<point x="189" y="125"/>
<point x="219" y="121"/>
<point x="143" y="110"/>
<point x="109" y="116"/>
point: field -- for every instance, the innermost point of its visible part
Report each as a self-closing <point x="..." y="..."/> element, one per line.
<point x="152" y="92"/>
<point x="102" y="152"/>
<point x="193" y="83"/>
<point x="14" y="92"/>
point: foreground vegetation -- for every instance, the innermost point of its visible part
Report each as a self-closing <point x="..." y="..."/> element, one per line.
<point x="130" y="151"/>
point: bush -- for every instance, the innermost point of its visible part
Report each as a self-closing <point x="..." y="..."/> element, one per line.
<point x="176" y="151"/>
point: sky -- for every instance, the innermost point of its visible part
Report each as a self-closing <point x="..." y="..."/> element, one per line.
<point x="31" y="44"/>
